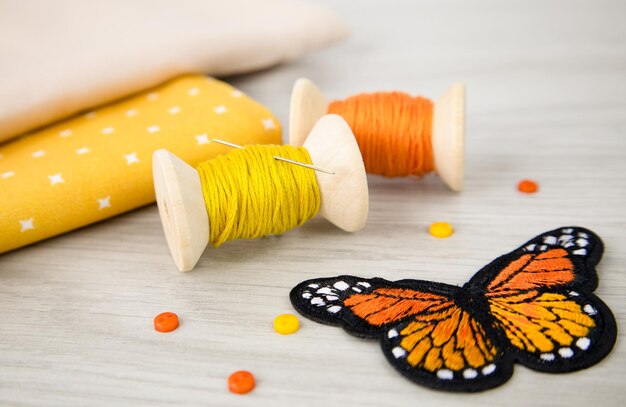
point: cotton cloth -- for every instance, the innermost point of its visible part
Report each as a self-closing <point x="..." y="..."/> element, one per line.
<point x="60" y="57"/>
<point x="99" y="164"/>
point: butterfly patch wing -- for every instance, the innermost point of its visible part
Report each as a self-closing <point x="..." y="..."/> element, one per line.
<point x="362" y="306"/>
<point x="555" y="331"/>
<point x="540" y="298"/>
<point x="423" y="333"/>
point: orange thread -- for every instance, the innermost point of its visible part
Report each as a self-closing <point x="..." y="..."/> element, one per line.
<point x="393" y="129"/>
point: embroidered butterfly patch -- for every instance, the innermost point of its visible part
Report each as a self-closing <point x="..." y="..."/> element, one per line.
<point x="533" y="306"/>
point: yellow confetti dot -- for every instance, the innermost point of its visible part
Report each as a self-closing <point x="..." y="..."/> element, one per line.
<point x="286" y="324"/>
<point x="441" y="230"/>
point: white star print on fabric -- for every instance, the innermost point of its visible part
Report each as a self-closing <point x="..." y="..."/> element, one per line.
<point x="56" y="179"/>
<point x="220" y="109"/>
<point x="38" y="153"/>
<point x="104" y="202"/>
<point x="202" y="139"/>
<point x="8" y="174"/>
<point x="82" y="150"/>
<point x="131" y="112"/>
<point x="131" y="158"/>
<point x="65" y="133"/>
<point x="154" y="129"/>
<point x="108" y="130"/>
<point x="27" y="224"/>
<point x="174" y="110"/>
<point x="268" y="124"/>
<point x="193" y="91"/>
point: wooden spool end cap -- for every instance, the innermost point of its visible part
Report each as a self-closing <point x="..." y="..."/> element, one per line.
<point x="308" y="105"/>
<point x="345" y="196"/>
<point x="181" y="207"/>
<point x="448" y="134"/>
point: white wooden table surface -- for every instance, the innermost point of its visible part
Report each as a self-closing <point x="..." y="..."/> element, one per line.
<point x="546" y="100"/>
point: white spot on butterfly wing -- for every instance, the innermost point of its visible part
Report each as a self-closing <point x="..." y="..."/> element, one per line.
<point x="568" y="230"/>
<point x="317" y="301"/>
<point x="364" y="284"/>
<point x="582" y="242"/>
<point x="306" y="295"/>
<point x="340" y="285"/>
<point x="314" y="285"/>
<point x="550" y="240"/>
<point x="393" y="333"/>
<point x="358" y="290"/>
<point x="583" y="343"/>
<point x="566" y="352"/>
<point x="580" y="252"/>
<point x="590" y="309"/>
<point x="565" y="238"/>
<point x="470" y="373"/>
<point x="531" y="247"/>
<point x="398" y="352"/>
<point x="489" y="369"/>
<point x="334" y="309"/>
<point x="582" y="234"/>
<point x="445" y="374"/>
<point x="573" y="294"/>
<point x="324" y="290"/>
<point x="548" y="357"/>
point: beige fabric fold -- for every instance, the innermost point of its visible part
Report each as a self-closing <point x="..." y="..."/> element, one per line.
<point x="64" y="56"/>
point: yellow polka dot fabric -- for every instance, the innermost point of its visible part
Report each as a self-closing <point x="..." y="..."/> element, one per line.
<point x="99" y="164"/>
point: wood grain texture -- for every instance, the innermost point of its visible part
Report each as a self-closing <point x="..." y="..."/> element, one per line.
<point x="546" y="99"/>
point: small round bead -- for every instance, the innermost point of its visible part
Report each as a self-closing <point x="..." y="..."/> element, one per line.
<point x="166" y="322"/>
<point x="286" y="324"/>
<point x="528" y="186"/>
<point x="441" y="230"/>
<point x="241" y="382"/>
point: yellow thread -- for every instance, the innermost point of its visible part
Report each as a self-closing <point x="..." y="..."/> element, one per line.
<point x="249" y="194"/>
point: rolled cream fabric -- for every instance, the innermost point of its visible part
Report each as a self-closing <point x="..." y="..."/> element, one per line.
<point x="60" y="57"/>
<point x="99" y="164"/>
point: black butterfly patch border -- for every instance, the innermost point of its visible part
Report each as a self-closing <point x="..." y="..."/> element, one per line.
<point x="603" y="337"/>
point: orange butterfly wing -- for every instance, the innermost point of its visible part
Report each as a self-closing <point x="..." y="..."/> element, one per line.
<point x="541" y="301"/>
<point x="425" y="335"/>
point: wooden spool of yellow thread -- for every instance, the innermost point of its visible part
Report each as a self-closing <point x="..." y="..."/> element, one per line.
<point x="344" y="194"/>
<point x="308" y="104"/>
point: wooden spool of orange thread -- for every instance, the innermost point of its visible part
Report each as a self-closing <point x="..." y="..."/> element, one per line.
<point x="308" y="104"/>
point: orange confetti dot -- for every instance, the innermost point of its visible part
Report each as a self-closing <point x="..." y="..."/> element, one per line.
<point x="241" y="382"/>
<point x="166" y="322"/>
<point x="527" y="186"/>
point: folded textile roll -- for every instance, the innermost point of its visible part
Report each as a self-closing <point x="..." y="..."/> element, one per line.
<point x="64" y="56"/>
<point x="97" y="165"/>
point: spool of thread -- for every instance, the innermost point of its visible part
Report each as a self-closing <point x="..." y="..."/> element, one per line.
<point x="399" y="135"/>
<point x="208" y="205"/>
